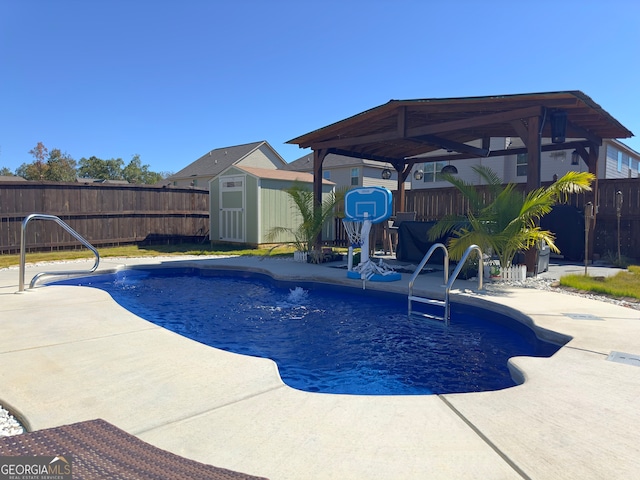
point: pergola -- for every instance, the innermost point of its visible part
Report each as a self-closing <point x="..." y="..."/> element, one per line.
<point x="402" y="132"/>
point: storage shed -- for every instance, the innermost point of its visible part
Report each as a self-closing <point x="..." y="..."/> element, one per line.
<point x="246" y="203"/>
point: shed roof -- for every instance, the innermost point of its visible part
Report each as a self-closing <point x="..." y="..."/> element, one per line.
<point x="287" y="175"/>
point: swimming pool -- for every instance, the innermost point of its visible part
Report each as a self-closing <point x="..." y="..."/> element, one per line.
<point x="328" y="339"/>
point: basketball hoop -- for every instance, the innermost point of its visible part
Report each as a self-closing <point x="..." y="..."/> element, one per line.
<point x="363" y="208"/>
<point x="354" y="232"/>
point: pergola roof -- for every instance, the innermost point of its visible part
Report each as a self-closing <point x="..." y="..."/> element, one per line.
<point x="401" y="129"/>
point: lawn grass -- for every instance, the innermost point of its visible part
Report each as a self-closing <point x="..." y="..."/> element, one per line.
<point x="142" y="251"/>
<point x="625" y="284"/>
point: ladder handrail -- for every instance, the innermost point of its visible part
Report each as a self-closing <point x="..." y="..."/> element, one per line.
<point x="456" y="272"/>
<point x="23" y="252"/>
<point x="424" y="261"/>
<point x="419" y="268"/>
<point x="448" y="280"/>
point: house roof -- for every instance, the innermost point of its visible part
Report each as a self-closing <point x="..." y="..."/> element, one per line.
<point x="101" y="180"/>
<point x="216" y="161"/>
<point x="287" y="175"/>
<point x="331" y="161"/>
<point x="401" y="129"/>
<point x="11" y="178"/>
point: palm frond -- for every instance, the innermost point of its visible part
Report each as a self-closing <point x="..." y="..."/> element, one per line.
<point x="507" y="222"/>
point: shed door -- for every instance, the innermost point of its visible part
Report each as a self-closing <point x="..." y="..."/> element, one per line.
<point x="232" y="199"/>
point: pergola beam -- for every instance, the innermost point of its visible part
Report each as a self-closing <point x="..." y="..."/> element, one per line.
<point x="453" y="146"/>
<point x="551" y="147"/>
<point x="431" y="129"/>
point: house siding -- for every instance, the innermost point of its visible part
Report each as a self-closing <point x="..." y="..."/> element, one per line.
<point x="552" y="163"/>
<point x="263" y="157"/>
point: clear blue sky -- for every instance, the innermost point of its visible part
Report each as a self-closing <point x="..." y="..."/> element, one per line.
<point x="171" y="80"/>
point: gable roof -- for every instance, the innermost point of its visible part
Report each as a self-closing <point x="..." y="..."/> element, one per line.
<point x="400" y="130"/>
<point x="281" y="175"/>
<point x="215" y="161"/>
<point x="332" y="160"/>
<point x="12" y="178"/>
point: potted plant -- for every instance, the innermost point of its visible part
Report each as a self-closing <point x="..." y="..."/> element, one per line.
<point x="508" y="221"/>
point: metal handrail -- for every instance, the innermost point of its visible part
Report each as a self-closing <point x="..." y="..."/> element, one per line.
<point x="417" y="271"/>
<point x="23" y="253"/>
<point x="448" y="281"/>
<point x="456" y="272"/>
<point x="424" y="261"/>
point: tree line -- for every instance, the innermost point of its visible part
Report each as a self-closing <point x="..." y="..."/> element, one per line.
<point x="54" y="165"/>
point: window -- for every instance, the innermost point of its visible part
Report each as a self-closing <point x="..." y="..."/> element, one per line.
<point x="326" y="174"/>
<point x="522" y="161"/>
<point x="231" y="183"/>
<point x="619" y="161"/>
<point x="355" y="176"/>
<point x="432" y="171"/>
<point x="614" y="156"/>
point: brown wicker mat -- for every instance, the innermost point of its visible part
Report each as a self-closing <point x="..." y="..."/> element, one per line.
<point x="100" y="450"/>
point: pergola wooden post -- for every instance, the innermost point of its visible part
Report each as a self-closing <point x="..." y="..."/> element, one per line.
<point x="531" y="136"/>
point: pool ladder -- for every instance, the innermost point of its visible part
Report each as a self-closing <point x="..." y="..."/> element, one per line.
<point x="448" y="281"/>
<point x="23" y="249"/>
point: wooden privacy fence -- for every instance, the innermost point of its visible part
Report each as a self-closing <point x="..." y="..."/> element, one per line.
<point x="104" y="214"/>
<point x="433" y="204"/>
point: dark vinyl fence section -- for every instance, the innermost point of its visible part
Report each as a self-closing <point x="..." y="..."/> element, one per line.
<point x="104" y="214"/>
<point x="432" y="204"/>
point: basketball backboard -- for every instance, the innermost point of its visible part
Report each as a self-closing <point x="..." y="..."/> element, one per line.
<point x="368" y="203"/>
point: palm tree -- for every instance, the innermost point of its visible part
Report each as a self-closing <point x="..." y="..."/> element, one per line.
<point x="313" y="218"/>
<point x="508" y="221"/>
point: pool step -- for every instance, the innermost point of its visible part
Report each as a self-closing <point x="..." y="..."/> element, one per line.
<point x="427" y="301"/>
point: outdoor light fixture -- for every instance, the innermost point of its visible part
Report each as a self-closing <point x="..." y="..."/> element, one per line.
<point x="575" y="158"/>
<point x="558" y="126"/>
<point x="418" y="174"/>
<point x="386" y="174"/>
<point x="450" y="169"/>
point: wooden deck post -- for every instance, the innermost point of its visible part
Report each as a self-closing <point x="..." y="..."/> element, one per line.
<point x="534" y="144"/>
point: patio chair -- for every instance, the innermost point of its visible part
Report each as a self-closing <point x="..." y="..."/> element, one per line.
<point x="99" y="450"/>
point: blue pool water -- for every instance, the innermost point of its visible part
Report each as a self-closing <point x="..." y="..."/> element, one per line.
<point x="326" y="338"/>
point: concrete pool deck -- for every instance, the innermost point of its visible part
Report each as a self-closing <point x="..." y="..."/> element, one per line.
<point x="69" y="354"/>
